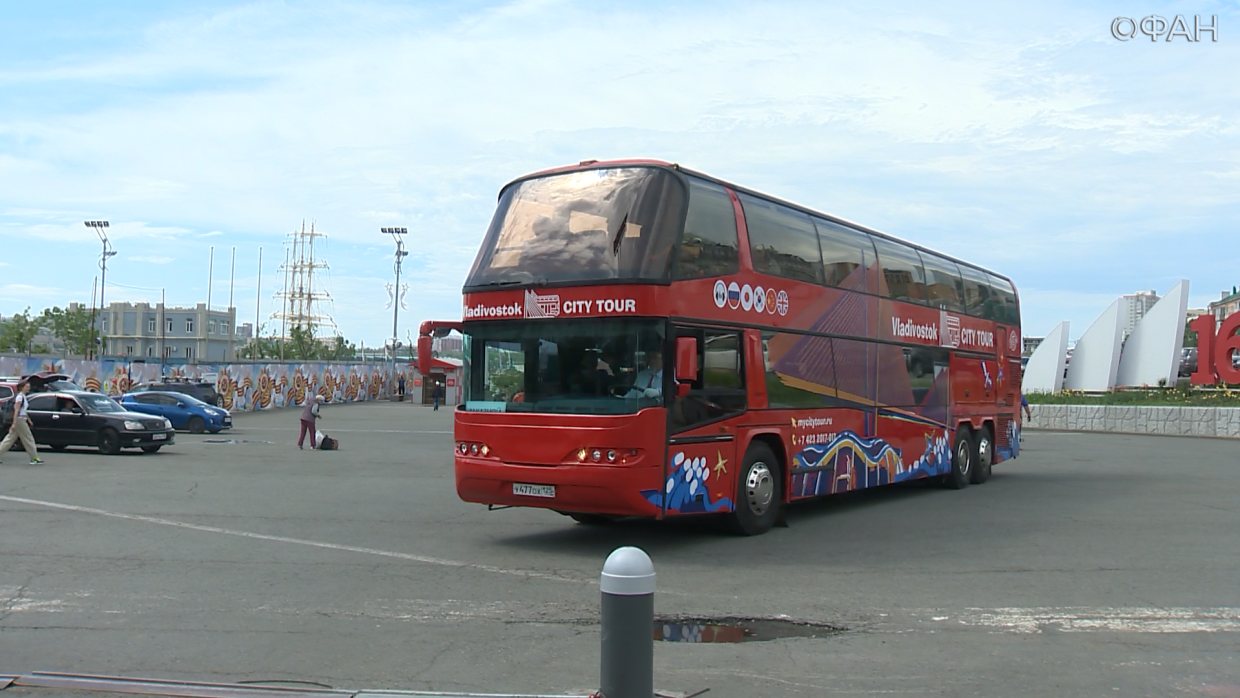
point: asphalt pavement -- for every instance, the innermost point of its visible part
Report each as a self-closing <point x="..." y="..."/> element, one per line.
<point x="1093" y="565"/>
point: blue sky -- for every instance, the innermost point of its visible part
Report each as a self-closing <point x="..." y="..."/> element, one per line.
<point x="1023" y="137"/>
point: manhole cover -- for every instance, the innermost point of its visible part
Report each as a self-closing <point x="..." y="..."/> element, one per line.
<point x="738" y="629"/>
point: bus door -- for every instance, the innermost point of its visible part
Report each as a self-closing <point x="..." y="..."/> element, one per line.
<point x="706" y="388"/>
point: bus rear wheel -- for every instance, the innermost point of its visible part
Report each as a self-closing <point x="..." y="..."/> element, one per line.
<point x="758" y="492"/>
<point x="962" y="460"/>
<point x="983" y="456"/>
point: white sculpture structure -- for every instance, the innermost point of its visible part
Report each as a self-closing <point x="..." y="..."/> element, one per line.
<point x="1095" y="358"/>
<point x="1152" y="352"/>
<point x="1044" y="372"/>
<point x="1103" y="360"/>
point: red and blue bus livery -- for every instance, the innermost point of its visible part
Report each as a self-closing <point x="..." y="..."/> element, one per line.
<point x="644" y="340"/>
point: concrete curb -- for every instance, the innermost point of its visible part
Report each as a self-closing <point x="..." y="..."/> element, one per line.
<point x="1219" y="422"/>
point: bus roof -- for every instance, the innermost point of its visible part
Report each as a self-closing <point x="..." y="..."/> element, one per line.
<point x="640" y="162"/>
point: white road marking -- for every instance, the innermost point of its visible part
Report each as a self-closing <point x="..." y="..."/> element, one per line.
<point x="300" y="541"/>
<point x="1107" y="619"/>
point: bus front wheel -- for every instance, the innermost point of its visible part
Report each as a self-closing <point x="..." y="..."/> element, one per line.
<point x="591" y="519"/>
<point x="758" y="492"/>
<point x="962" y="460"/>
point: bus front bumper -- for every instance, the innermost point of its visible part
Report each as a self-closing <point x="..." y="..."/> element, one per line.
<point x="595" y="489"/>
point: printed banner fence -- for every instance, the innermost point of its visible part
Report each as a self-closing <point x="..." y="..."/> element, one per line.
<point x="243" y="387"/>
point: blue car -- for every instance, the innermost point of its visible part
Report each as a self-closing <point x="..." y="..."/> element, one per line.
<point x="184" y="411"/>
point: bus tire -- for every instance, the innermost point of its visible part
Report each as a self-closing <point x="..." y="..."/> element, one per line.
<point x="962" y="460"/>
<point x="758" y="492"/>
<point x="983" y="456"/>
<point x="591" y="519"/>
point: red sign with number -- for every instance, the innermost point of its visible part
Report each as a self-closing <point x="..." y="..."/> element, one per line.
<point x="451" y="382"/>
<point x="1214" y="350"/>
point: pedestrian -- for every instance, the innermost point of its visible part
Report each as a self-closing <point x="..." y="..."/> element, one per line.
<point x="309" y="419"/>
<point x="20" y="428"/>
<point x="437" y="394"/>
<point x="400" y="387"/>
<point x="1025" y="405"/>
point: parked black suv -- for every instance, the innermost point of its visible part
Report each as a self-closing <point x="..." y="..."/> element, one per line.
<point x="203" y="391"/>
<point x="78" y="418"/>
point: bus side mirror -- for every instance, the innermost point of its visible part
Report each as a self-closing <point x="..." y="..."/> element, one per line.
<point x="686" y="359"/>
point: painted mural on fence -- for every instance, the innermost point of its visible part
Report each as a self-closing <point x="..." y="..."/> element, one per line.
<point x="242" y="387"/>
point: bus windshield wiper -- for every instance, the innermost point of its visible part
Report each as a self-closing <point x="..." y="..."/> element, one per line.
<point x="615" y="244"/>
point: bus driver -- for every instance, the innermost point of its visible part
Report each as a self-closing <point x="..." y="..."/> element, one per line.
<point x="649" y="381"/>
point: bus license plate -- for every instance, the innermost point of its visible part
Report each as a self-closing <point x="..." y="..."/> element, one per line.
<point x="533" y="490"/>
<point x="159" y="437"/>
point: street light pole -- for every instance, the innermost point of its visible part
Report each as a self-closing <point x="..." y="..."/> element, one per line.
<point x="401" y="253"/>
<point x="99" y="228"/>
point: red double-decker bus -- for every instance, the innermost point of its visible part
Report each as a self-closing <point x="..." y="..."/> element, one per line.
<point x="645" y="340"/>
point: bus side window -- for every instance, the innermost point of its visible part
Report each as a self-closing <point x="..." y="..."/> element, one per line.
<point x="709" y="245"/>
<point x="784" y="241"/>
<point x="1005" y="299"/>
<point x="978" y="300"/>
<point x="902" y="271"/>
<point x="720" y="390"/>
<point x="943" y="283"/>
<point x="846" y="253"/>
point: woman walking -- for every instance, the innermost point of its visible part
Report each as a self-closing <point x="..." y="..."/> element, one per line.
<point x="20" y="428"/>
<point x="309" y="419"/>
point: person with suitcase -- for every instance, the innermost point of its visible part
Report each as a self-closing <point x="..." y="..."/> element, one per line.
<point x="309" y="418"/>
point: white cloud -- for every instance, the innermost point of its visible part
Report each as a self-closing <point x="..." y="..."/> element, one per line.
<point x="20" y="293"/>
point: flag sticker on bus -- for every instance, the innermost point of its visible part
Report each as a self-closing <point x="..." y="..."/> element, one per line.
<point x="746" y="296"/>
<point x="781" y="303"/>
<point x="759" y="299"/>
<point x="770" y="301"/>
<point x="734" y="295"/>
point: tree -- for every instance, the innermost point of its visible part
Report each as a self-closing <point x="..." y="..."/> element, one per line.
<point x="73" y="327"/>
<point x="338" y="350"/>
<point x="1190" y="336"/>
<point x="301" y="344"/>
<point x="19" y="331"/>
<point x="261" y="347"/>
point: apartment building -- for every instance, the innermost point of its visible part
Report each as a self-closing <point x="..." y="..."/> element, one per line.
<point x="143" y="330"/>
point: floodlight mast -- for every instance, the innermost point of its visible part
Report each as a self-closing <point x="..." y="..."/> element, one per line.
<point x="401" y="253"/>
<point x="99" y="227"/>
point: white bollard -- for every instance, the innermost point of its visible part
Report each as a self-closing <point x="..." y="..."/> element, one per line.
<point x="627" y="666"/>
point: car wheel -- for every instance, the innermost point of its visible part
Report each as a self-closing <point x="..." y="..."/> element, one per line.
<point x="151" y="449"/>
<point x="983" y="456"/>
<point x="197" y="425"/>
<point x="962" y="460"/>
<point x="109" y="441"/>
<point x="758" y="494"/>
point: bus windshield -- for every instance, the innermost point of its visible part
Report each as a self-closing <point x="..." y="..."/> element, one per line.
<point x="611" y="366"/>
<point x="591" y="225"/>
